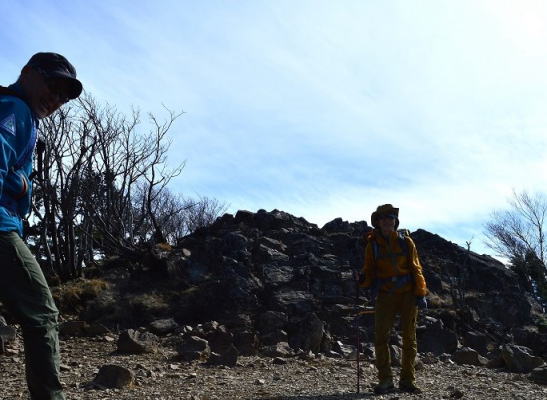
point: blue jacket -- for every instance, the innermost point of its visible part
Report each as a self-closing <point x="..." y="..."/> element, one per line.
<point x="18" y="132"/>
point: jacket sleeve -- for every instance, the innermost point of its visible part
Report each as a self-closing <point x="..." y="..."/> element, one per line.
<point x="368" y="268"/>
<point x="420" y="287"/>
<point x="8" y="155"/>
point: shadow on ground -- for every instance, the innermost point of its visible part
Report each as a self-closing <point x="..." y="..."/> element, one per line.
<point x="348" y="396"/>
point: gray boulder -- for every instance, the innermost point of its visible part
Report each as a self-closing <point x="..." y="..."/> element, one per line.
<point x="520" y="358"/>
<point x="468" y="356"/>
<point x="495" y="359"/>
<point x="272" y="320"/>
<point x="539" y="375"/>
<point x="193" y="348"/>
<point x="437" y="341"/>
<point x="114" y="377"/>
<point x="163" y="326"/>
<point x="478" y="341"/>
<point x="531" y="337"/>
<point x="134" y="342"/>
<point x="246" y="342"/>
<point x="281" y="349"/>
<point x="218" y="337"/>
<point x="273" y="337"/>
<point x="307" y="334"/>
<point x="95" y="329"/>
<point x="73" y="328"/>
<point x="228" y="356"/>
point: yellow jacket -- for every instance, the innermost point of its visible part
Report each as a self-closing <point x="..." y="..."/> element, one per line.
<point x="393" y="261"/>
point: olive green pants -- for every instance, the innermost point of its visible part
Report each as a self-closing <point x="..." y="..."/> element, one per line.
<point x="25" y="293"/>
<point x="388" y="305"/>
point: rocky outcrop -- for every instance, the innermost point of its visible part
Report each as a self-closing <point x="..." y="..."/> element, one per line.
<point x="279" y="284"/>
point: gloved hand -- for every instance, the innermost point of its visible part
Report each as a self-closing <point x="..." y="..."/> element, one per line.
<point x="421" y="302"/>
<point x="358" y="276"/>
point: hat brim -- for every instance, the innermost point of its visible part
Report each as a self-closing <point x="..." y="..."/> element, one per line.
<point x="75" y="86"/>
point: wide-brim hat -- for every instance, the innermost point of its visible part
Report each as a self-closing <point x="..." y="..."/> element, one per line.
<point x="384" y="209"/>
<point x="54" y="65"/>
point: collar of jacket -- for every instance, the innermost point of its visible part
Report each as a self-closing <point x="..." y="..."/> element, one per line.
<point x="18" y="92"/>
<point x="381" y="240"/>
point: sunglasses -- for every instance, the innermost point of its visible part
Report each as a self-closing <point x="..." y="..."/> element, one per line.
<point x="387" y="217"/>
<point x="56" y="86"/>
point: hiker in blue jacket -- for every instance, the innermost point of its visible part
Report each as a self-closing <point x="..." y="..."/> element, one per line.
<point x="46" y="82"/>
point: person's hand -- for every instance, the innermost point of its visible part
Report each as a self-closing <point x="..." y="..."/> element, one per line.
<point x="356" y="275"/>
<point x="421" y="302"/>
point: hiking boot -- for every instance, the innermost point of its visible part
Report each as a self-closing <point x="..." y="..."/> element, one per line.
<point x="384" y="386"/>
<point x="410" y="387"/>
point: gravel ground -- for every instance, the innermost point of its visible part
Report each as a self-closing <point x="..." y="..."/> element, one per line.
<point x="161" y="376"/>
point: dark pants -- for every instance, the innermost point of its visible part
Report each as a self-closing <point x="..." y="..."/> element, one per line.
<point x="25" y="293"/>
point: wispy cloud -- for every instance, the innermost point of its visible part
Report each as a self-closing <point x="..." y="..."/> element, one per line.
<point x="322" y="109"/>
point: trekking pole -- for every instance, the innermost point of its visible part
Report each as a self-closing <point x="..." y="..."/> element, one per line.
<point x="357" y="315"/>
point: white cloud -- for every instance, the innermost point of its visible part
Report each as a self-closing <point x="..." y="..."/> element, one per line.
<point x="322" y="108"/>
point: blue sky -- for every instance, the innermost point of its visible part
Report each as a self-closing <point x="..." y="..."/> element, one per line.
<point x="323" y="109"/>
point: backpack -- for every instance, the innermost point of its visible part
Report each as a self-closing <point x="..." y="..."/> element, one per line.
<point x="402" y="235"/>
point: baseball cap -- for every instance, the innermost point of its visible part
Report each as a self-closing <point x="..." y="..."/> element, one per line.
<point x="54" y="65"/>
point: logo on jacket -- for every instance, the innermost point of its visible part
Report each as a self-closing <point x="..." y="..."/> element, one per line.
<point x="8" y="124"/>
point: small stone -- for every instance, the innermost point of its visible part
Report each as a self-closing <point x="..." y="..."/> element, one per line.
<point x="114" y="376"/>
<point x="539" y="375"/>
<point x="260" y="382"/>
<point x="279" y="361"/>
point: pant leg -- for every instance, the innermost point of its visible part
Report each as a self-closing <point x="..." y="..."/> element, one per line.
<point x="24" y="291"/>
<point x="384" y="316"/>
<point x="408" y="328"/>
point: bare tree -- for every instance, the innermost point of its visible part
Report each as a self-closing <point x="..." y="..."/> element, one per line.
<point x="203" y="213"/>
<point x="519" y="234"/>
<point x="521" y="228"/>
<point x="104" y="187"/>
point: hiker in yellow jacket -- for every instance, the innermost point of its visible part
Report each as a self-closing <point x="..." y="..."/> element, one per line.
<point x="393" y="273"/>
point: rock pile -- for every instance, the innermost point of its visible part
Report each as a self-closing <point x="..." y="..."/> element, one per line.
<point x="279" y="285"/>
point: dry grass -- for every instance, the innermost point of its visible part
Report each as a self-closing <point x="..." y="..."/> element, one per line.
<point x="436" y="301"/>
<point x="148" y="303"/>
<point x="164" y="246"/>
<point x="72" y="296"/>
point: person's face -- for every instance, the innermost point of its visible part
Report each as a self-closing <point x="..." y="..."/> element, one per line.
<point x="387" y="223"/>
<point x="45" y="95"/>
